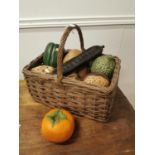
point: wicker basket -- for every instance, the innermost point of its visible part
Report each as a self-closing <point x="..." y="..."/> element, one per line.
<point x="78" y="97"/>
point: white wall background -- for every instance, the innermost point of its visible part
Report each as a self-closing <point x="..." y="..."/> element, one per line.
<point x="107" y="22"/>
<point x="61" y="8"/>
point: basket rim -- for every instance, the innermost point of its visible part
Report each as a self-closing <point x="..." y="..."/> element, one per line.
<point x="67" y="80"/>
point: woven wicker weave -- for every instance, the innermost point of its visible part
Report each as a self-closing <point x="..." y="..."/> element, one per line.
<point x="78" y="97"/>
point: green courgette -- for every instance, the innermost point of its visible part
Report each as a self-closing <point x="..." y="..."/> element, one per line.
<point x="50" y="55"/>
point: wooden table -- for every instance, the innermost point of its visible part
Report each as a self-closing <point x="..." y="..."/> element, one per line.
<point x="89" y="138"/>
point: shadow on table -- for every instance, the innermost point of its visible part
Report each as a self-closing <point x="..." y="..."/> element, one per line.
<point x="74" y="136"/>
<point x="121" y="108"/>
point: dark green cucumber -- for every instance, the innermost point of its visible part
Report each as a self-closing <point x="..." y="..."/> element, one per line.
<point x="50" y="55"/>
<point x="83" y="58"/>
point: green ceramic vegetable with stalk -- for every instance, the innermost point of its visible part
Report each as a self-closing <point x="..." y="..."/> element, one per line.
<point x="50" y="54"/>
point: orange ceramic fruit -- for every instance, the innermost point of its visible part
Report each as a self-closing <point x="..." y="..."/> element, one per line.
<point x="57" y="125"/>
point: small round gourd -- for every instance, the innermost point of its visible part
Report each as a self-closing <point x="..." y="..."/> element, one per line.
<point x="71" y="54"/>
<point x="97" y="80"/>
<point x="104" y="64"/>
<point x="43" y="69"/>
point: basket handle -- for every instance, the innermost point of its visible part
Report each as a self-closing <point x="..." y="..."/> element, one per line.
<point x="61" y="47"/>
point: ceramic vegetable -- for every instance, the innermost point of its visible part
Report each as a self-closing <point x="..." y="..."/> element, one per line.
<point x="71" y="54"/>
<point x="104" y="64"/>
<point x="50" y="55"/>
<point x="57" y="125"/>
<point x="43" y="69"/>
<point x="81" y="59"/>
<point x="97" y="80"/>
<point x="83" y="72"/>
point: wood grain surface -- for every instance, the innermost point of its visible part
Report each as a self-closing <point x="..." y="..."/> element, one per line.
<point x="90" y="137"/>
